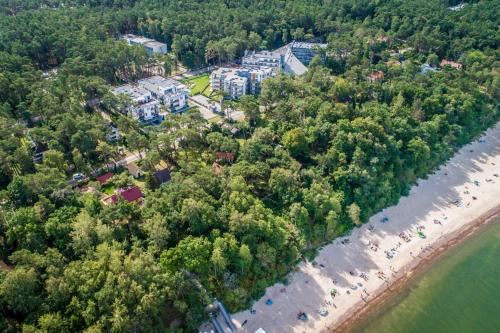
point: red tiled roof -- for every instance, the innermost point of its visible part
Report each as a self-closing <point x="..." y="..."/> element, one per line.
<point x="225" y="156"/>
<point x="453" y="64"/>
<point x="378" y="75"/>
<point x="131" y="194"/>
<point x="104" y="178"/>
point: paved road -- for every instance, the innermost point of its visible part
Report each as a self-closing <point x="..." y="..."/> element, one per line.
<point x="129" y="159"/>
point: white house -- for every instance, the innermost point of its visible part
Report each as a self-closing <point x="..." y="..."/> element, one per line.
<point x="113" y="133"/>
<point x="150" y="45"/>
<point x="170" y="92"/>
<point x="144" y="107"/>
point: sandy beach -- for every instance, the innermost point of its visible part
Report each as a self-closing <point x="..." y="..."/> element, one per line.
<point x="387" y="250"/>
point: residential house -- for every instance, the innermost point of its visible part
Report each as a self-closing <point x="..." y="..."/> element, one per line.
<point x="131" y="194"/>
<point x="143" y="108"/>
<point x="453" y="64"/>
<point x="170" y="92"/>
<point x="162" y="176"/>
<point x="392" y="63"/>
<point x="457" y="7"/>
<point x="426" y="68"/>
<point x="103" y="179"/>
<point x="223" y="156"/>
<point x="134" y="170"/>
<point x="37" y="151"/>
<point x="376" y="76"/>
<point x="113" y="133"/>
<point x="150" y="45"/>
<point x="217" y="168"/>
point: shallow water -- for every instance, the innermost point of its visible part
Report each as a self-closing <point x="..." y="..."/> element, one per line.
<point x="459" y="293"/>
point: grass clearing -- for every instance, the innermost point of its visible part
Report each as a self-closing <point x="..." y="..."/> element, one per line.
<point x="197" y="84"/>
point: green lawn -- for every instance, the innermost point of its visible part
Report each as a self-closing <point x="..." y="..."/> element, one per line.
<point x="197" y="84"/>
<point x="109" y="188"/>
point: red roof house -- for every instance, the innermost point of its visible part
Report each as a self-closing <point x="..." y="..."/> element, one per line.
<point x="225" y="156"/>
<point x="453" y="64"/>
<point x="104" y="178"/>
<point x="132" y="194"/>
<point x="375" y="76"/>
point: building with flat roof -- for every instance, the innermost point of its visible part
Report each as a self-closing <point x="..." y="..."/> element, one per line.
<point x="240" y="81"/>
<point x="306" y="51"/>
<point x="269" y="59"/>
<point x="150" y="45"/>
<point x="292" y="58"/>
<point x="143" y="107"/>
<point x="173" y="94"/>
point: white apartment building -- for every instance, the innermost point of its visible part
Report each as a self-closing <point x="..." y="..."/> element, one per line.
<point x="150" y="45"/>
<point x="237" y="82"/>
<point x="143" y="108"/>
<point x="171" y="93"/>
<point x="255" y="77"/>
<point x="228" y="81"/>
<point x="270" y="59"/>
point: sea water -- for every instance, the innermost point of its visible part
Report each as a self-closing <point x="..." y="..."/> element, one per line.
<point x="459" y="293"/>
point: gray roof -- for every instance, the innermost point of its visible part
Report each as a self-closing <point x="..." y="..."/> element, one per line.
<point x="134" y="92"/>
<point x="160" y="81"/>
<point x="294" y="65"/>
<point x="305" y="45"/>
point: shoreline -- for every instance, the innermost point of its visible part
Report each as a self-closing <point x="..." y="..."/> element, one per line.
<point x="413" y="269"/>
<point x="356" y="272"/>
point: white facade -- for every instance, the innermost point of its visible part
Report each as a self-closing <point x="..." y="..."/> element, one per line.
<point x="113" y="133"/>
<point x="150" y="45"/>
<point x="237" y="82"/>
<point x="263" y="59"/>
<point x="171" y="93"/>
<point x="144" y="108"/>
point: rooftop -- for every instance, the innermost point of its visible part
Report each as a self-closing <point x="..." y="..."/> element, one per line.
<point x="306" y="45"/>
<point x="134" y="92"/>
<point x="158" y="80"/>
<point x="131" y="194"/>
<point x="154" y="43"/>
<point x="132" y="167"/>
<point x="453" y="64"/>
<point x="137" y="39"/>
<point x="104" y="178"/>
<point x="162" y="176"/>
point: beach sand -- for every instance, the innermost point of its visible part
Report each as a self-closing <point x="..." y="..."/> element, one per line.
<point x="446" y="196"/>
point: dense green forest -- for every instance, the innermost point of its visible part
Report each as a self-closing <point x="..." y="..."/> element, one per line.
<point x="315" y="156"/>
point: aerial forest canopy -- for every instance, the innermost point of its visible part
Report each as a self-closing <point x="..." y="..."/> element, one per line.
<point x="316" y="155"/>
